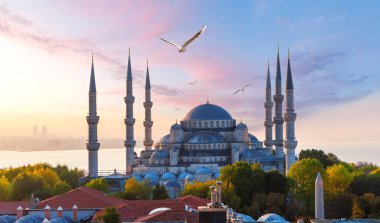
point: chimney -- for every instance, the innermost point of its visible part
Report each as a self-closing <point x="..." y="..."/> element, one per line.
<point x="213" y="195"/>
<point x="33" y="202"/>
<point x="19" y="212"/>
<point x="219" y="194"/>
<point x="59" y="211"/>
<point x="75" y="213"/>
<point x="214" y="212"/>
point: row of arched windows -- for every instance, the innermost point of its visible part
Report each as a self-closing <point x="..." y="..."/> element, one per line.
<point x="206" y="146"/>
<point x="209" y="124"/>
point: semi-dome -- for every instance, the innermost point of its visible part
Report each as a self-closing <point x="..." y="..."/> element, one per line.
<point x="176" y="126"/>
<point x="172" y="184"/>
<point x="183" y="175"/>
<point x="160" y="154"/>
<point x="253" y="138"/>
<point x="152" y="178"/>
<point x="206" y="137"/>
<point x="241" y="126"/>
<point x="207" y="112"/>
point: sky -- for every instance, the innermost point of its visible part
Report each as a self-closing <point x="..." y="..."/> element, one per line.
<point x="46" y="48"/>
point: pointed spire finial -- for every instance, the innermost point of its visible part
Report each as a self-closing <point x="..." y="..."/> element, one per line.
<point x="147" y="63"/>
<point x="288" y="53"/>
<point x="176" y="122"/>
<point x="289" y="79"/>
<point x="129" y="50"/>
<point x="207" y="102"/>
<point x="241" y="120"/>
<point x="92" y="57"/>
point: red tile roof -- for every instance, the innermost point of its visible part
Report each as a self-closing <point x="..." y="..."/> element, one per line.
<point x="169" y="216"/>
<point x="82" y="197"/>
<point x="132" y="210"/>
<point x="10" y="207"/>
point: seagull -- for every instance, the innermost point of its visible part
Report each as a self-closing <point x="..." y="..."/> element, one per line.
<point x="182" y="48"/>
<point x="193" y="83"/>
<point x="241" y="89"/>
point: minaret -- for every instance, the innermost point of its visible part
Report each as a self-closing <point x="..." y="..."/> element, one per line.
<point x="290" y="142"/>
<point x="278" y="119"/>
<point x="92" y="121"/>
<point x="268" y="113"/>
<point x="129" y="121"/>
<point x="319" y="200"/>
<point x="148" y="123"/>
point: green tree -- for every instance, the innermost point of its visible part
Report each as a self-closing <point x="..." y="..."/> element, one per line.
<point x="326" y="159"/>
<point x="339" y="179"/>
<point x="71" y="176"/>
<point x="200" y="189"/>
<point x="275" y="182"/>
<point x="229" y="197"/>
<point x="358" y="209"/>
<point x="303" y="173"/>
<point x="375" y="172"/>
<point x="48" y="175"/>
<point x="110" y="215"/>
<point x="339" y="206"/>
<point x="61" y="188"/>
<point x="98" y="184"/>
<point x="5" y="189"/>
<point x="24" y="185"/>
<point x="135" y="190"/>
<point x="246" y="179"/>
<point x="159" y="192"/>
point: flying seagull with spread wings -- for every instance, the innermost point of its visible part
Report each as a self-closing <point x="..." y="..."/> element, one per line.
<point x="241" y="89"/>
<point x="182" y="48"/>
<point x="193" y="83"/>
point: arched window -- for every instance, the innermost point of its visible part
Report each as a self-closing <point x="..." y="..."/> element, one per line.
<point x="211" y="124"/>
<point x="217" y="123"/>
<point x="222" y="123"/>
<point x="199" y="124"/>
<point x="205" y="124"/>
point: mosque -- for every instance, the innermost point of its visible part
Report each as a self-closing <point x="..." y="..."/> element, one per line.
<point x="205" y="140"/>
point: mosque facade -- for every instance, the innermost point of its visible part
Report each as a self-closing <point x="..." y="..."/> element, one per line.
<point x="205" y="140"/>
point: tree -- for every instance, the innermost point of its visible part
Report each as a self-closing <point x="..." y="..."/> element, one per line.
<point x="98" y="184"/>
<point x="110" y="215"/>
<point x="303" y="173"/>
<point x="339" y="179"/>
<point x="61" y="188"/>
<point x="71" y="176"/>
<point x="159" y="192"/>
<point x="376" y="172"/>
<point x="200" y="189"/>
<point x="339" y="206"/>
<point x="48" y="175"/>
<point x="5" y="189"/>
<point x="135" y="190"/>
<point x="24" y="185"/>
<point x="246" y="179"/>
<point x="275" y="182"/>
<point x="229" y="197"/>
<point x="326" y="159"/>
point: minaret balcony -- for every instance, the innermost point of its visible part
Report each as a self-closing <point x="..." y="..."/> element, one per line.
<point x="129" y="121"/>
<point x="148" y="142"/>
<point x="278" y="98"/>
<point x="290" y="117"/>
<point x="290" y="143"/>
<point x="148" y="123"/>
<point x="92" y="146"/>
<point x="148" y="104"/>
<point x="130" y="143"/>
<point x="129" y="99"/>
<point x="268" y="123"/>
<point x="92" y="120"/>
<point x="278" y="120"/>
<point x="268" y="143"/>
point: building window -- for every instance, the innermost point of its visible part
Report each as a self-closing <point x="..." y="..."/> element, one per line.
<point x="211" y="124"/>
<point x="205" y="124"/>
<point x="199" y="124"/>
<point x="217" y="123"/>
<point x="222" y="123"/>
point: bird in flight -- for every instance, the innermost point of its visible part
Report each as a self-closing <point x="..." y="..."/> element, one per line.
<point x="241" y="89"/>
<point x="182" y="48"/>
<point x="193" y="83"/>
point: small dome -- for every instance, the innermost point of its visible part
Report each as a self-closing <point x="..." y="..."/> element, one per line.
<point x="166" y="139"/>
<point x="176" y="127"/>
<point x="207" y="112"/>
<point x="137" y="176"/>
<point x="7" y="219"/>
<point x="160" y="154"/>
<point x="172" y="184"/>
<point x="167" y="176"/>
<point x="189" y="177"/>
<point x="152" y="178"/>
<point x="217" y="174"/>
<point x="253" y="138"/>
<point x="246" y="218"/>
<point x="241" y="126"/>
<point x="272" y="218"/>
<point x="183" y="175"/>
<point x="206" y="137"/>
<point x="203" y="170"/>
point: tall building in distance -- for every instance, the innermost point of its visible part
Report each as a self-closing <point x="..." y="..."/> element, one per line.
<point x="268" y="113"/>
<point x="129" y="121"/>
<point x="92" y="121"/>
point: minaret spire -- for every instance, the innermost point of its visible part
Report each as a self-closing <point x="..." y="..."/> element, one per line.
<point x="268" y="112"/>
<point x="290" y="117"/>
<point x="92" y="121"/>
<point x="129" y="120"/>
<point x="148" y="123"/>
<point x="278" y="119"/>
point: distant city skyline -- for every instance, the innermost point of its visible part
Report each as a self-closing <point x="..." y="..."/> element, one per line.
<point x="46" y="59"/>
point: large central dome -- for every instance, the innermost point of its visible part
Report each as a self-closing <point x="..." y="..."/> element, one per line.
<point x="207" y="112"/>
